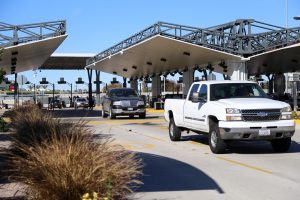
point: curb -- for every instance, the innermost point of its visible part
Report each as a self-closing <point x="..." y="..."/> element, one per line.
<point x="150" y="110"/>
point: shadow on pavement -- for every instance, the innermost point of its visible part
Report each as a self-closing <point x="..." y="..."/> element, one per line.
<point x="245" y="147"/>
<point x="167" y="174"/>
<point x="75" y="113"/>
<point x="5" y="136"/>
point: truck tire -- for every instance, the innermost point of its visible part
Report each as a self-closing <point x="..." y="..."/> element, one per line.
<point x="104" y="115"/>
<point x="281" y="145"/>
<point x="174" y="131"/>
<point x="142" y="116"/>
<point x="111" y="114"/>
<point x="216" y="144"/>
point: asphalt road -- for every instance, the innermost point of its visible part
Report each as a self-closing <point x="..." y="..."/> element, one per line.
<point x="188" y="170"/>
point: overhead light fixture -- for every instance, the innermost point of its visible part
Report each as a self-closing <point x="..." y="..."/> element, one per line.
<point x="94" y="64"/>
<point x="163" y="60"/>
<point x="121" y="52"/>
<point x="109" y="57"/>
<point x="186" y="53"/>
<point x="149" y="63"/>
<point x="295" y="61"/>
<point x="134" y="67"/>
<point x="13" y="53"/>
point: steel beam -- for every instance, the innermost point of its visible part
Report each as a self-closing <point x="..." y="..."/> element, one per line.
<point x="243" y="37"/>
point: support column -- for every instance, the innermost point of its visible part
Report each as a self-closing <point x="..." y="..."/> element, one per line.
<point x="90" y="74"/>
<point x="134" y="85"/>
<point x="240" y="71"/>
<point x="16" y="88"/>
<point x="97" y="87"/>
<point x="187" y="80"/>
<point x="156" y="88"/>
<point x="124" y="82"/>
<point x="279" y="84"/>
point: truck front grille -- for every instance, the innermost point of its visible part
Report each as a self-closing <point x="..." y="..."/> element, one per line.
<point x="261" y="114"/>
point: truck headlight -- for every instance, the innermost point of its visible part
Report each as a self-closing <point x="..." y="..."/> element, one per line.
<point x="286" y="109"/>
<point x="233" y="111"/>
<point x="286" y="116"/>
<point x="117" y="103"/>
<point x="140" y="103"/>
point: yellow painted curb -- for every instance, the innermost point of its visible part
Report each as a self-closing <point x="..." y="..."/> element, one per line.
<point x="297" y="121"/>
<point x="153" y="110"/>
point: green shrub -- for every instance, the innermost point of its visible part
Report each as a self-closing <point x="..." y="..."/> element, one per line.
<point x="3" y="125"/>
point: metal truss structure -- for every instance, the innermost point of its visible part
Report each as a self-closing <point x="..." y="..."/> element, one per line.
<point x="17" y="34"/>
<point x="244" y="37"/>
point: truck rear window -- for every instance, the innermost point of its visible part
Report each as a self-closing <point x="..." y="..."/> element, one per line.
<point x="236" y="90"/>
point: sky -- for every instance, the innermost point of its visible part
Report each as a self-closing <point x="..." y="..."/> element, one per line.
<point x="95" y="25"/>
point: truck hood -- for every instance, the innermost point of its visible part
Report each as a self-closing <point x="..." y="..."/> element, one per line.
<point x="251" y="103"/>
<point x="126" y="98"/>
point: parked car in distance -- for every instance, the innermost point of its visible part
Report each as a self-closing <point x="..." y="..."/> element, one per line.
<point x="81" y="102"/>
<point x="56" y="103"/>
<point x="123" y="101"/>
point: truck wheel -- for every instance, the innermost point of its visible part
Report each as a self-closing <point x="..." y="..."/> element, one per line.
<point x="111" y="114"/>
<point x="104" y="115"/>
<point x="281" y="145"/>
<point x="142" y="116"/>
<point x="216" y="144"/>
<point x="174" y="131"/>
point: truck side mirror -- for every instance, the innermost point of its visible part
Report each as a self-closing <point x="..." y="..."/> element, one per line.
<point x="195" y="97"/>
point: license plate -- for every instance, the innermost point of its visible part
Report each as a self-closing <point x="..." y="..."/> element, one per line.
<point x="264" y="132"/>
<point x="130" y="109"/>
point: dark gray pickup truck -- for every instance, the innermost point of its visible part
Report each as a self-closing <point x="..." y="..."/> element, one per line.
<point x="123" y="102"/>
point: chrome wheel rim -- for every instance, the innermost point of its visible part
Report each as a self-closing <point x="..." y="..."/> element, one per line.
<point x="213" y="139"/>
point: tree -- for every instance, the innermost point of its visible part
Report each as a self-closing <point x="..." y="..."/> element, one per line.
<point x="172" y="86"/>
<point x="109" y="86"/>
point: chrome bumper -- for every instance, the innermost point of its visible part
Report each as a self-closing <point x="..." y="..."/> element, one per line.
<point x="128" y="112"/>
<point x="250" y="131"/>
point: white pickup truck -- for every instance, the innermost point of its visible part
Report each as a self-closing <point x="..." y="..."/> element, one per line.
<point x="230" y="110"/>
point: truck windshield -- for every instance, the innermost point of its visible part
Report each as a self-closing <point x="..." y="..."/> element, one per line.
<point x="236" y="90"/>
<point x="123" y="93"/>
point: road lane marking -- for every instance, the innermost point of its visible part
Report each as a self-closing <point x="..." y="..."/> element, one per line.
<point x="244" y="165"/>
<point x="139" y="146"/>
<point x="152" y="137"/>
<point x="197" y="143"/>
<point x="125" y="121"/>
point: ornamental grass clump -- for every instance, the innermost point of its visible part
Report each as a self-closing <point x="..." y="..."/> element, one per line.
<point x="63" y="161"/>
